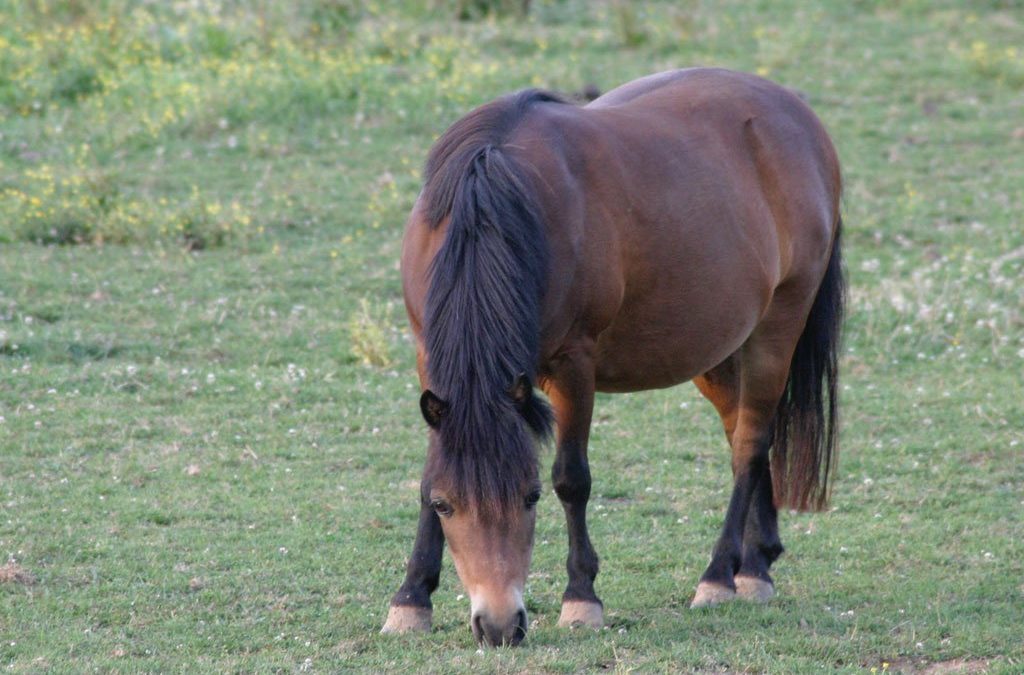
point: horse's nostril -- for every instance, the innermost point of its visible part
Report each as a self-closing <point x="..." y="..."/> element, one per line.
<point x="520" y="630"/>
<point x="476" y="623"/>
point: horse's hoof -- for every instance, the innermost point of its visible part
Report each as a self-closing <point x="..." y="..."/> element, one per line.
<point x="406" y="619"/>
<point x="710" y="594"/>
<point x="581" y="613"/>
<point x="754" y="589"/>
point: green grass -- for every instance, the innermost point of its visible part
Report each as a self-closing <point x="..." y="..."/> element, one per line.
<point x="201" y="468"/>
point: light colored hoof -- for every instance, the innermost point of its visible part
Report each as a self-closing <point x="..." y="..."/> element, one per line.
<point x="581" y="613"/>
<point x="754" y="589"/>
<point x="403" y="619"/>
<point x="709" y="595"/>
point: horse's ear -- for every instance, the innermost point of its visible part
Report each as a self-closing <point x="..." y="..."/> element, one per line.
<point x="535" y="411"/>
<point x="433" y="408"/>
<point x="521" y="391"/>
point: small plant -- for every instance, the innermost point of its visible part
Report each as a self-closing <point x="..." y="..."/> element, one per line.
<point x="198" y="231"/>
<point x="332" y="17"/>
<point x="468" y="10"/>
<point x="76" y="82"/>
<point x="628" y="24"/>
<point x="64" y="230"/>
<point x="368" y="335"/>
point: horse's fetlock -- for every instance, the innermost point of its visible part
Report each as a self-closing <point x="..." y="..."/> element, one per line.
<point x="590" y="568"/>
<point x="772" y="551"/>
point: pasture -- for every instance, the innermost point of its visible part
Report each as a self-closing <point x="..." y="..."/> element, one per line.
<point x="210" y="442"/>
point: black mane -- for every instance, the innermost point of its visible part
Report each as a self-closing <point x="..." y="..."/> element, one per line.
<point x="482" y="318"/>
<point x="454" y="153"/>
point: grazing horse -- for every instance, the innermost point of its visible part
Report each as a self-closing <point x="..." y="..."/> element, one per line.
<point x="684" y="226"/>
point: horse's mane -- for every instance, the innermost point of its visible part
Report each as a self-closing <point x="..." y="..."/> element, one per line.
<point x="485" y="128"/>
<point x="482" y="317"/>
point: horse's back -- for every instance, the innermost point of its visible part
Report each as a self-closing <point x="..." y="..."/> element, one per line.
<point x="705" y="191"/>
<point x="752" y="114"/>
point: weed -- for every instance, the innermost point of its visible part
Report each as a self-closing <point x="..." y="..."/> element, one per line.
<point x="368" y="331"/>
<point x="628" y="24"/>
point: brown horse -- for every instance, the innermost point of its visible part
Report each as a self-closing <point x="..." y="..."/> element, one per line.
<point x="684" y="226"/>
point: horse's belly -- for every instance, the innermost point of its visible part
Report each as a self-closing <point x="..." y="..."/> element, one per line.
<point x="653" y="343"/>
<point x="655" y="364"/>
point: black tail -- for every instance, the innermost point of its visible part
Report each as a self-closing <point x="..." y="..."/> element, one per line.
<point x="807" y="423"/>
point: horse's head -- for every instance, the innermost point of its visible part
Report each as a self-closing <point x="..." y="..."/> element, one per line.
<point x="485" y="499"/>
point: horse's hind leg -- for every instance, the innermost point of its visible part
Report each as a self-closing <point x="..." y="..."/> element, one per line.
<point x="750" y="442"/>
<point x="763" y="365"/>
<point x="721" y="386"/>
<point x="569" y="383"/>
<point x="761" y="544"/>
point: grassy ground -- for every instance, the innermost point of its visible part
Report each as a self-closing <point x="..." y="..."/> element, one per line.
<point x="210" y="442"/>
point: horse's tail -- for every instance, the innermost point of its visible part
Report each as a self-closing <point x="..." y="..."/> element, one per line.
<point x="806" y="423"/>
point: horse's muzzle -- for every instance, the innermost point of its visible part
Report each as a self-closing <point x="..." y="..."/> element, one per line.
<point x="496" y="634"/>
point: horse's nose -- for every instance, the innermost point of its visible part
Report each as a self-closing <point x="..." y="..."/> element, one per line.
<point x="509" y="632"/>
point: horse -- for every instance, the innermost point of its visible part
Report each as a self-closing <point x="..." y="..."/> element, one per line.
<point x="684" y="226"/>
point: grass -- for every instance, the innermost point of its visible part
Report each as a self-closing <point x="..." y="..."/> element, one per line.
<point x="208" y="422"/>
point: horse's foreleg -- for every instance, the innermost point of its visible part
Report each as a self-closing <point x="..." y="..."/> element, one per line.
<point x="570" y="385"/>
<point x="411" y="609"/>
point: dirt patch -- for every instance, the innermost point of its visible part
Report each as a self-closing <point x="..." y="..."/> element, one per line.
<point x="957" y="666"/>
<point x="352" y="647"/>
<point x="13" y="573"/>
<point x="951" y="667"/>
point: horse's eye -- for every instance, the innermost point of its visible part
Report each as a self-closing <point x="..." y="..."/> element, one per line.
<point x="442" y="507"/>
<point x="532" y="499"/>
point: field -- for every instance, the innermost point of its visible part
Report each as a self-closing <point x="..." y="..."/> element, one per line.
<point x="209" y="438"/>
